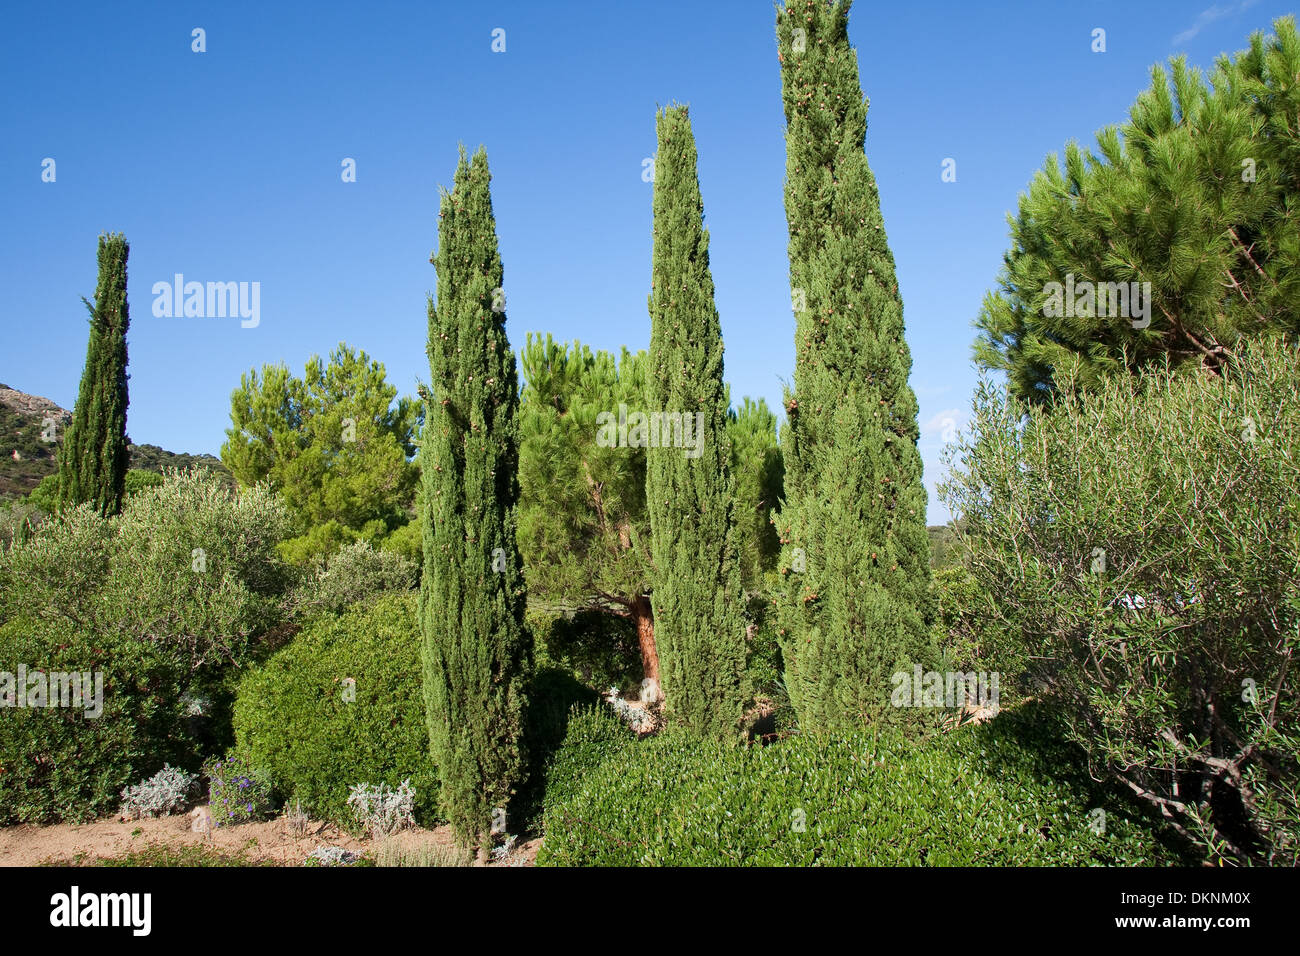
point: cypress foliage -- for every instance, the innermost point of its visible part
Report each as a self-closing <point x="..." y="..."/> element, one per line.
<point x="477" y="653"/>
<point x="856" y="605"/>
<point x="93" y="461"/>
<point x="696" y="595"/>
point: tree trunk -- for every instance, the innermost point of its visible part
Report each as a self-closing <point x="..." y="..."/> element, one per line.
<point x="645" y="633"/>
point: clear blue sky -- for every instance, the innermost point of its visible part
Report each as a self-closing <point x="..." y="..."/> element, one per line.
<point x="225" y="166"/>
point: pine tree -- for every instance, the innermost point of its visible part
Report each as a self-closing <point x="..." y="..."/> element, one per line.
<point x="1193" y="204"/>
<point x="856" y="606"/>
<point x="583" y="528"/>
<point x="757" y="468"/>
<point x="94" y="459"/>
<point x="697" y="599"/>
<point x="477" y="653"/>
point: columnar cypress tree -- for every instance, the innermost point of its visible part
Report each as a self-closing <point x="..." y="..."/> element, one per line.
<point x="856" y="607"/>
<point x="93" y="461"/>
<point x="697" y="596"/>
<point x="477" y="653"/>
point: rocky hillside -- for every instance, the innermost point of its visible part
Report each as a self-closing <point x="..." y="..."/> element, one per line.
<point x="28" y="422"/>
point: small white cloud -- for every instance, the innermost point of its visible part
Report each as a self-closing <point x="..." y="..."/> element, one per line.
<point x="950" y="419"/>
<point x="1208" y="16"/>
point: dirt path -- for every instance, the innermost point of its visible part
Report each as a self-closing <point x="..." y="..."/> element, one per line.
<point x="269" y="841"/>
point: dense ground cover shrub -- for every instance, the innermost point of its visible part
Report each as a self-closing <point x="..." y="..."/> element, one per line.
<point x="59" y="763"/>
<point x="982" y="796"/>
<point x="1142" y="543"/>
<point x="339" y="705"/>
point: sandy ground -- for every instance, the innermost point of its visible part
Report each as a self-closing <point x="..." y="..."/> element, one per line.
<point x="271" y="840"/>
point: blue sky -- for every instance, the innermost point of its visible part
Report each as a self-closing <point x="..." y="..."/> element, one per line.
<point x="225" y="166"/>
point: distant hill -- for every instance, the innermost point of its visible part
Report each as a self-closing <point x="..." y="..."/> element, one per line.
<point x="943" y="545"/>
<point x="26" y="456"/>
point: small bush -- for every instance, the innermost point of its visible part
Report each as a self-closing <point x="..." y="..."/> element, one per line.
<point x="167" y="791"/>
<point x="978" y="797"/>
<point x="382" y="810"/>
<point x="354" y="573"/>
<point x="237" y="793"/>
<point x="331" y="856"/>
<point x="342" y="702"/>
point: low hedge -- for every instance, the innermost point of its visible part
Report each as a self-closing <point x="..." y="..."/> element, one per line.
<point x="975" y="797"/>
<point x="69" y="763"/>
<point x="293" y="719"/>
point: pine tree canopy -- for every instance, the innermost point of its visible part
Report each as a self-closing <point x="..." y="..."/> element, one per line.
<point x="583" y="527"/>
<point x="1191" y="207"/>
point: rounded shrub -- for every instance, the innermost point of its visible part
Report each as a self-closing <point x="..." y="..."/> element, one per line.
<point x="341" y="705"/>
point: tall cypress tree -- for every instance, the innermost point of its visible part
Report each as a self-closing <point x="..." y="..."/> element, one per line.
<point x="697" y="598"/>
<point x="94" y="459"/>
<point x="856" y="606"/>
<point x="477" y="653"/>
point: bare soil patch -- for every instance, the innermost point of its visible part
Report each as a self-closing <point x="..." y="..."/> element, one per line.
<point x="266" y="842"/>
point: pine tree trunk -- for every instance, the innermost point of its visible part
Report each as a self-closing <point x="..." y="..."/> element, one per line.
<point x="645" y="635"/>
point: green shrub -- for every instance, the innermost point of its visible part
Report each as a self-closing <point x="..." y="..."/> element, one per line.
<point x="763" y="661"/>
<point x="978" y="797"/>
<point x="593" y="736"/>
<point x="972" y="636"/>
<point x="356" y="572"/>
<point x="59" y="763"/>
<point x="341" y="704"/>
<point x="553" y="695"/>
<point x="1141" y="543"/>
<point x="189" y="566"/>
<point x="138" y="480"/>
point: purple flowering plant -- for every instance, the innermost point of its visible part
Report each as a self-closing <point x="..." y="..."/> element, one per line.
<point x="237" y="793"/>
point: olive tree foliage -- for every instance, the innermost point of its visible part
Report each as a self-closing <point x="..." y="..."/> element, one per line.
<point x="1142" y="542"/>
<point x="189" y="565"/>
